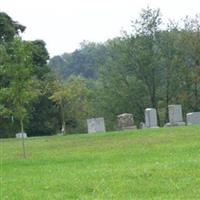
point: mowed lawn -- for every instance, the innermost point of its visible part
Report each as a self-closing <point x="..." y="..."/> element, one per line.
<point x="144" y="164"/>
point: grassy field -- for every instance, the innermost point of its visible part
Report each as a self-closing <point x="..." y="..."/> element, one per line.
<point x="144" y="164"/>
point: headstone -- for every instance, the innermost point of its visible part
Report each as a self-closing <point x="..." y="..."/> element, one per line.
<point x="142" y="125"/>
<point x="125" y="121"/>
<point x="20" y="135"/>
<point x="193" y="118"/>
<point x="96" y="125"/>
<point x="175" y="115"/>
<point x="151" y="118"/>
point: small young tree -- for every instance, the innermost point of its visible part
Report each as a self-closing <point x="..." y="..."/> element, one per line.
<point x="21" y="88"/>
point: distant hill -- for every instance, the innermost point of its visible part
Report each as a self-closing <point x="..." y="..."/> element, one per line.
<point x="83" y="61"/>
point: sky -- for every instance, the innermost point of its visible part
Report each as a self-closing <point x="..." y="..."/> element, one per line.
<point x="64" y="24"/>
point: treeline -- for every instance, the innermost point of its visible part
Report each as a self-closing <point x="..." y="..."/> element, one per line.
<point x="150" y="67"/>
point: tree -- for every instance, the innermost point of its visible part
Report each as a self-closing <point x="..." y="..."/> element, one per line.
<point x="43" y="113"/>
<point x="118" y="89"/>
<point x="169" y="65"/>
<point x="72" y="98"/>
<point x="21" y="88"/>
<point x="9" y="29"/>
<point x="190" y="70"/>
<point x="143" y="54"/>
<point x="38" y="56"/>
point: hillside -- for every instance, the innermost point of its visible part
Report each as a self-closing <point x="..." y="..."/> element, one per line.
<point x="144" y="164"/>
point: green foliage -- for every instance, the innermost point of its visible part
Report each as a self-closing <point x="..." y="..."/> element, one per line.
<point x="9" y="28"/>
<point x="23" y="71"/>
<point x="148" y="22"/>
<point x="72" y="98"/>
<point x="151" y="68"/>
<point x="39" y="57"/>
<point x="43" y="112"/>
<point x="21" y="88"/>
<point x="84" y="61"/>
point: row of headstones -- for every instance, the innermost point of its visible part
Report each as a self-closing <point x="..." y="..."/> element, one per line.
<point x="126" y="121"/>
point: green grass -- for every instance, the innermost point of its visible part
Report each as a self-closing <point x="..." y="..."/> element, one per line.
<point x="144" y="164"/>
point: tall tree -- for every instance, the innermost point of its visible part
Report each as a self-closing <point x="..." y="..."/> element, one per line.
<point x="143" y="52"/>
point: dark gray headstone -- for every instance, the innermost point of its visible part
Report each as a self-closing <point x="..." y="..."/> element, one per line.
<point x="175" y="116"/>
<point x="125" y="121"/>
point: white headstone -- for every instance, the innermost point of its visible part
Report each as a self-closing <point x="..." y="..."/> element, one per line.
<point x="96" y="125"/>
<point x="19" y="135"/>
<point x="193" y="118"/>
<point x="175" y="115"/>
<point x="151" y="118"/>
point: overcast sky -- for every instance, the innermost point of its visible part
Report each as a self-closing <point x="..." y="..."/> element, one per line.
<point x="63" y="24"/>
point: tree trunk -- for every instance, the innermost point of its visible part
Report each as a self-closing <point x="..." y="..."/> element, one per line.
<point x="167" y="101"/>
<point x="196" y="106"/>
<point x="63" y="117"/>
<point x="22" y="132"/>
<point x="153" y="96"/>
<point x="63" y="128"/>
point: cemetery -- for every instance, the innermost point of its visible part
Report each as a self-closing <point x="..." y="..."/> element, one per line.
<point x="115" y="119"/>
<point x="73" y="166"/>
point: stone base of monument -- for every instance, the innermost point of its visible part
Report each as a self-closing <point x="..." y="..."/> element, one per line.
<point x="128" y="128"/>
<point x="153" y="127"/>
<point x="175" y="124"/>
<point x="20" y="135"/>
<point x="143" y="125"/>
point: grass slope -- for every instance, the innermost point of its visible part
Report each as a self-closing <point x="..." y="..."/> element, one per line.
<point x="144" y="164"/>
